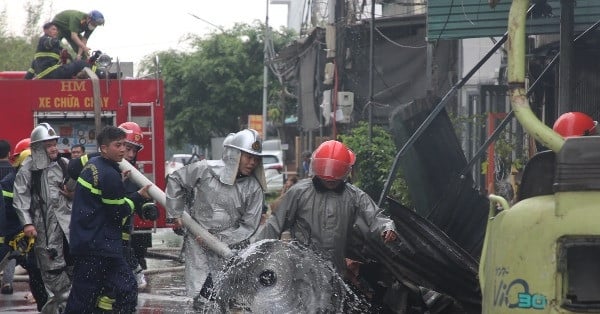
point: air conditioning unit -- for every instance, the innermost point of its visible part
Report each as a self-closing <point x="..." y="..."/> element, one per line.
<point x="343" y="114"/>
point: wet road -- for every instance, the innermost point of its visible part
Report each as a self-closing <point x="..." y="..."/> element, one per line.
<point x="165" y="292"/>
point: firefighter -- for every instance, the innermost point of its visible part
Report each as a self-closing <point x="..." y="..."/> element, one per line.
<point x="134" y="252"/>
<point x="5" y="166"/>
<point x="6" y="169"/>
<point x="13" y="227"/>
<point x="45" y="212"/>
<point x="77" y="150"/>
<point x="8" y="271"/>
<point x="19" y="148"/>
<point x="575" y="124"/>
<point x="539" y="172"/>
<point x="99" y="208"/>
<point x="322" y="212"/>
<point x="3" y="229"/>
<point x="136" y="244"/>
<point x="77" y="27"/>
<point x="47" y="59"/>
<point x="201" y="187"/>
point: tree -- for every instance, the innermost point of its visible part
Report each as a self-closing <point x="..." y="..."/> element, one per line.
<point x="3" y="23"/>
<point x="17" y="51"/>
<point x="210" y="91"/>
<point x="16" y="54"/>
<point x="373" y="162"/>
<point x="34" y="12"/>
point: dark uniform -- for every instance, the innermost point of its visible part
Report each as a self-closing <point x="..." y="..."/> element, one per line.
<point x="2" y="225"/>
<point x="46" y="63"/>
<point x="134" y="245"/>
<point x="7" y="232"/>
<point x="99" y="207"/>
<point x="6" y="168"/>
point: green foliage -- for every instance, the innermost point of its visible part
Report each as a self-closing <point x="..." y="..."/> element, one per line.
<point x="210" y="91"/>
<point x="373" y="162"/>
<point x="274" y="114"/>
<point x="3" y="23"/>
<point x="504" y="146"/>
<point x="462" y="122"/>
<point x="34" y="11"/>
<point x="16" y="52"/>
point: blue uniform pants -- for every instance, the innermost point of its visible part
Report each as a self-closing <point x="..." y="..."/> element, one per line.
<point x="95" y="276"/>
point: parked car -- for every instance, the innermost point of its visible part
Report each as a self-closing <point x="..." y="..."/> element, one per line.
<point x="274" y="147"/>
<point x="274" y="171"/>
<point x="179" y="160"/>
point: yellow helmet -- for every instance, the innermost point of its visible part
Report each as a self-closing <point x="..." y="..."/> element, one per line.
<point x="19" y="158"/>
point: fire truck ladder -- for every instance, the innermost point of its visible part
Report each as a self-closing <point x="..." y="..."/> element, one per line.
<point x="143" y="114"/>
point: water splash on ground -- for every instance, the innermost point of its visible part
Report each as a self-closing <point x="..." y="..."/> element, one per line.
<point x="272" y="276"/>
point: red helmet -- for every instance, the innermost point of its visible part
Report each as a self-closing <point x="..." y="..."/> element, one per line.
<point x="332" y="160"/>
<point x="21" y="146"/>
<point x="133" y="133"/>
<point x="575" y="124"/>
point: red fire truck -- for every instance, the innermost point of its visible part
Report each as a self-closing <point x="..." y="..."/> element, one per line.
<point x="69" y="107"/>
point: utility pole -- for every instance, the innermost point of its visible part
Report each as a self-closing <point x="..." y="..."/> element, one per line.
<point x="265" y="75"/>
<point x="565" y="66"/>
<point x="371" y="65"/>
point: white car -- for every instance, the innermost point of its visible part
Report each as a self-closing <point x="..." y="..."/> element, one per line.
<point x="274" y="171"/>
<point x="179" y="160"/>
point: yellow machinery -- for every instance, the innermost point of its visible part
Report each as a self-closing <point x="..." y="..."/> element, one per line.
<point x="542" y="255"/>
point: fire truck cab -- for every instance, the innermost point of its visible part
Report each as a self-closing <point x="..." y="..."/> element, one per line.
<point x="69" y="107"/>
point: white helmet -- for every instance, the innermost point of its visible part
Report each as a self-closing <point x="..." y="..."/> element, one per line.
<point x="40" y="134"/>
<point x="247" y="140"/>
<point x="43" y="132"/>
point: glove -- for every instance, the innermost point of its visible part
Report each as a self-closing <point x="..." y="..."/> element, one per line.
<point x="149" y="211"/>
<point x="65" y="56"/>
<point x="96" y="54"/>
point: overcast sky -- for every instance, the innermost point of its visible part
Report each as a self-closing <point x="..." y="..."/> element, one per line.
<point x="136" y="28"/>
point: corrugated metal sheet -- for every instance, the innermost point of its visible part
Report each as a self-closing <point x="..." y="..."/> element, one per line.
<point x="432" y="168"/>
<point x="426" y="257"/>
<point x="457" y="19"/>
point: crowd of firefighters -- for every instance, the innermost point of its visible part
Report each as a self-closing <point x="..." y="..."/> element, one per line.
<point x="36" y="212"/>
<point x="59" y="214"/>
<point x="226" y="197"/>
<point x="45" y="219"/>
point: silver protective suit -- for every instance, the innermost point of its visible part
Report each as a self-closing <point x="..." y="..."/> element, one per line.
<point x="231" y="212"/>
<point x="50" y="214"/>
<point x="324" y="220"/>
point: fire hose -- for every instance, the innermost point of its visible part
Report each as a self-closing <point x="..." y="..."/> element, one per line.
<point x="209" y="240"/>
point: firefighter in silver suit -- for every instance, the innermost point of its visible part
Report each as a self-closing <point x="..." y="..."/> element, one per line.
<point x="225" y="197"/>
<point x="44" y="209"/>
